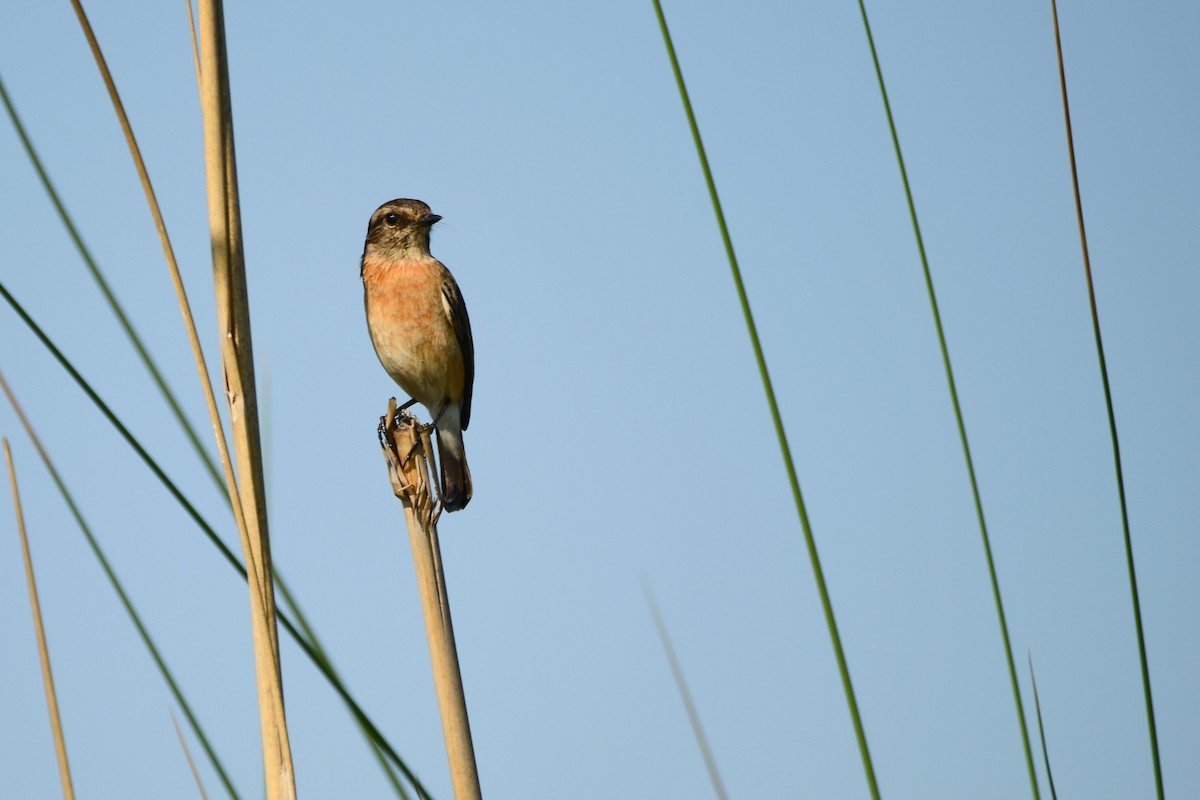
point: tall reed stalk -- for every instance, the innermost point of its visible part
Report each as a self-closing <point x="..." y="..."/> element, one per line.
<point x="237" y="358"/>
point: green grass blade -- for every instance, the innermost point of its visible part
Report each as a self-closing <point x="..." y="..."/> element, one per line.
<point x="356" y="711"/>
<point x="116" y="423"/>
<point x="115" y="582"/>
<point x="958" y="416"/>
<point x="111" y="298"/>
<point x="1041" y="729"/>
<point x="326" y="664"/>
<point x="1112" y="419"/>
<point x="809" y="540"/>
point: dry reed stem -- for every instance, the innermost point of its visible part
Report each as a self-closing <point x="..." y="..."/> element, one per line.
<point x="60" y="743"/>
<point x="233" y="314"/>
<point x="405" y="444"/>
<point x="187" y="753"/>
<point x="681" y="684"/>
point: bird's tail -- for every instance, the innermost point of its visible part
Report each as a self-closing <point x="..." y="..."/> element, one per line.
<point x="456" y="476"/>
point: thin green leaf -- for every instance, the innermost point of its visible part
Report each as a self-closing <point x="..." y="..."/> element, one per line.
<point x="1112" y="420"/>
<point x="1037" y="705"/>
<point x="958" y="415"/>
<point x="327" y="664"/>
<point x="809" y="540"/>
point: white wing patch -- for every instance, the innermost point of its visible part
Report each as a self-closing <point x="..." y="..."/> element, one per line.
<point x="446" y="307"/>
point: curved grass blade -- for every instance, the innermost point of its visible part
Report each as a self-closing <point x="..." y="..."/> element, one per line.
<point x="356" y="711"/>
<point x="1041" y="729"/>
<point x="958" y="415"/>
<point x="1112" y="419"/>
<point x="60" y="742"/>
<point x="111" y="298"/>
<point x="809" y="540"/>
<point x="115" y="582"/>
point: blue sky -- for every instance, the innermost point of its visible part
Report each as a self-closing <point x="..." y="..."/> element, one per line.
<point x="619" y="428"/>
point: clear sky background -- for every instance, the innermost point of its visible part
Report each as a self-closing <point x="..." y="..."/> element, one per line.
<point x="619" y="427"/>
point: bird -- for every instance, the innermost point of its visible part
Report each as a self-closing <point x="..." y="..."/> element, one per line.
<point x="422" y="335"/>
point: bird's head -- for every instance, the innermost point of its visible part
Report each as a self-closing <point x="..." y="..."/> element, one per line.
<point x="399" y="229"/>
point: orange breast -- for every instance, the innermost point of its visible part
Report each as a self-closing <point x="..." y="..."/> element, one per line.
<point x="412" y="331"/>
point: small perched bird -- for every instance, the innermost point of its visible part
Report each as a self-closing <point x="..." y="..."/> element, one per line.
<point x="420" y="330"/>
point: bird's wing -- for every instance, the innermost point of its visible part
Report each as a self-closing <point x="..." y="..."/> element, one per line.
<point x="462" y="331"/>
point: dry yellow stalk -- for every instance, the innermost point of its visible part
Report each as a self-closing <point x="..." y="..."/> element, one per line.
<point x="60" y="743"/>
<point x="405" y="442"/>
<point x="233" y="317"/>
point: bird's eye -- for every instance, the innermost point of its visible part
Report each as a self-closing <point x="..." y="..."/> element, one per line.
<point x="392" y="219"/>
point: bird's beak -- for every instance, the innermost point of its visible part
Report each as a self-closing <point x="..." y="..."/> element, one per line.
<point x="429" y="219"/>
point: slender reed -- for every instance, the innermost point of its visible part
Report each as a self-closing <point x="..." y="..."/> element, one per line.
<point x="1112" y="418"/>
<point x="187" y="753"/>
<point x="958" y="415"/>
<point x="405" y="443"/>
<point x="681" y="684"/>
<point x="60" y="742"/>
<point x="809" y="540"/>
<point x="237" y="356"/>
